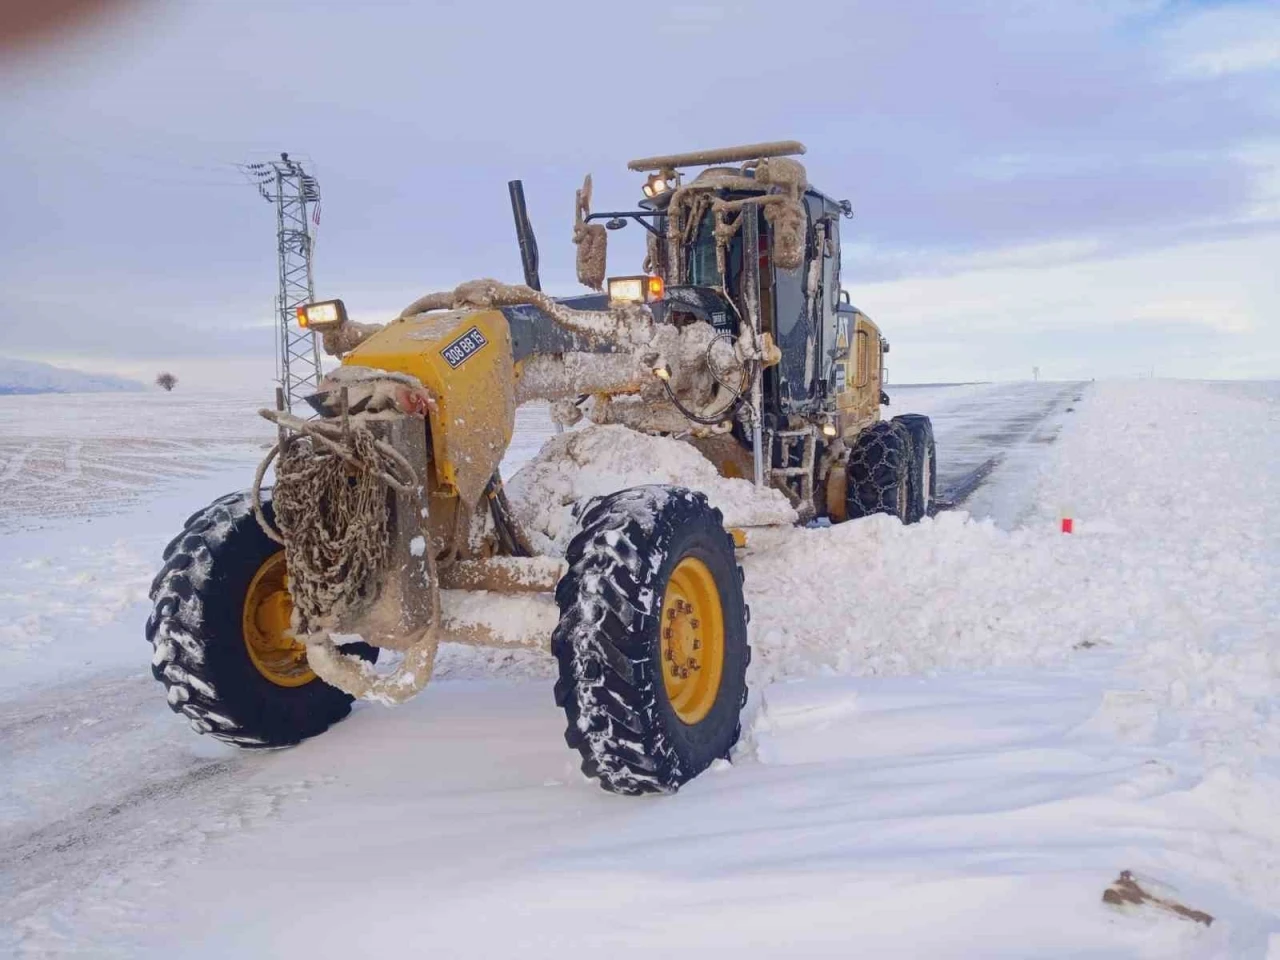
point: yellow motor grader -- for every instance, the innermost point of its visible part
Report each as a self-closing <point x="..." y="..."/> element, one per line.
<point x="388" y="530"/>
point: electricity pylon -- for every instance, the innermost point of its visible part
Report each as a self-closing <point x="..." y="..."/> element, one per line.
<point x="291" y="189"/>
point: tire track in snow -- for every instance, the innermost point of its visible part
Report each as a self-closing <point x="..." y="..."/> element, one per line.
<point x="958" y="492"/>
<point x="55" y="880"/>
<point x="73" y="468"/>
<point x="40" y="851"/>
<point x="14" y="466"/>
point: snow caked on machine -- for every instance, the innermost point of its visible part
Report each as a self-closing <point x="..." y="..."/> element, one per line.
<point x="388" y="528"/>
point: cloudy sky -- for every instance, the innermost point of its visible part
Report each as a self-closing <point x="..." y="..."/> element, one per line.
<point x="1088" y="187"/>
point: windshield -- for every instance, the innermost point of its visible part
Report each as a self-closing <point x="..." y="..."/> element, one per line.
<point x="703" y="270"/>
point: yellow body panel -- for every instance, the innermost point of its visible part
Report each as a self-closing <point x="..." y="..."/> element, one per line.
<point x="464" y="359"/>
<point x="858" y="402"/>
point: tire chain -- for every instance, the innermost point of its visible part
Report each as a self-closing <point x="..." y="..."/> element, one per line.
<point x="877" y="466"/>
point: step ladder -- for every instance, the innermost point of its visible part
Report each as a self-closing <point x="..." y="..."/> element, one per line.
<point x="789" y="441"/>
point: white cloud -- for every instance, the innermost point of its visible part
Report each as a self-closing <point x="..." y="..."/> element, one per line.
<point x="1225" y="315"/>
<point x="932" y="262"/>
<point x="1264" y="160"/>
<point x="1226" y="40"/>
<point x="1219" y="300"/>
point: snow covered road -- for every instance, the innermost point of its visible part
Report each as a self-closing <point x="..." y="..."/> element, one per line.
<point x="953" y="758"/>
<point x="985" y="429"/>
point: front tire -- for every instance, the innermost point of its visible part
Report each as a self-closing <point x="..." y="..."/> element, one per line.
<point x="652" y="640"/>
<point x="209" y="651"/>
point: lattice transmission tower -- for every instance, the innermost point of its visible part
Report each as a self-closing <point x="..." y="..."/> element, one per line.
<point x="296" y="196"/>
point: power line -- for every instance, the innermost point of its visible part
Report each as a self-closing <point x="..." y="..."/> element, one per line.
<point x="294" y="192"/>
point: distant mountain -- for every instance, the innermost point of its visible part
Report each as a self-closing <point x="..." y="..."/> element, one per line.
<point x="27" y="376"/>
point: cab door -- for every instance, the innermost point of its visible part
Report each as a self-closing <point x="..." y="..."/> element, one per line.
<point x="793" y="334"/>
<point x="829" y="350"/>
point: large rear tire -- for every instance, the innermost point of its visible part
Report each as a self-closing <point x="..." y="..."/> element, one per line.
<point x="922" y="478"/>
<point x="217" y="630"/>
<point x="652" y="640"/>
<point x="877" y="472"/>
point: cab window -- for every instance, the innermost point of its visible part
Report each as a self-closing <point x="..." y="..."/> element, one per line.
<point x="828" y="348"/>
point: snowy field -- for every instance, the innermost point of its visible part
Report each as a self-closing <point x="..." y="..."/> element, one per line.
<point x="959" y="733"/>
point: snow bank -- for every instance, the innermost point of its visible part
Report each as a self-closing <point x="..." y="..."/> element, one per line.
<point x="604" y="459"/>
<point x="876" y="598"/>
<point x="1175" y="565"/>
<point x="1165" y="604"/>
<point x="1177" y="487"/>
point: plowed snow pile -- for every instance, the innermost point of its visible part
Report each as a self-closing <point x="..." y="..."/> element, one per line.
<point x="1175" y="566"/>
<point x="599" y="460"/>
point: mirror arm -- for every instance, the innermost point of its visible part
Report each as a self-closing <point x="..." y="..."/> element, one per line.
<point x="636" y="215"/>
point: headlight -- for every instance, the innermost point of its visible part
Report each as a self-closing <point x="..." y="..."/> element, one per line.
<point x="642" y="289"/>
<point x="325" y="315"/>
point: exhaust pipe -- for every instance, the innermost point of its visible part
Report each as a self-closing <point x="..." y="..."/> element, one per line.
<point x="524" y="233"/>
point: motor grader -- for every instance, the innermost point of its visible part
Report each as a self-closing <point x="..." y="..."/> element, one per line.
<point x="388" y="522"/>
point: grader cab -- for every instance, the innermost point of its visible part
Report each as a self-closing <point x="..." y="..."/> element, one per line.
<point x="388" y="525"/>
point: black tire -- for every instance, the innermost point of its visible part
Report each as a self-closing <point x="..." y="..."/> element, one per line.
<point x="878" y="471"/>
<point x="196" y="632"/>
<point x="922" y="480"/>
<point x="607" y="642"/>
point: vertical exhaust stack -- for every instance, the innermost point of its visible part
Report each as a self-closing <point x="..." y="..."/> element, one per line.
<point x="524" y="233"/>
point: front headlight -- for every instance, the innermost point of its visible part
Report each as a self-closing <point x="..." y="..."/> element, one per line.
<point x="323" y="315"/>
<point x="626" y="289"/>
<point x="642" y="289"/>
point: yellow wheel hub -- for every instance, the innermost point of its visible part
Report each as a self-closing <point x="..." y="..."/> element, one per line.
<point x="267" y="635"/>
<point x="692" y="640"/>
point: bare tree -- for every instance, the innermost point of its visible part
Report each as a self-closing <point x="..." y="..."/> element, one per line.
<point x="167" y="381"/>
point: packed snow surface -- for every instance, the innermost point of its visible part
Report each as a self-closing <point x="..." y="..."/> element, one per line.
<point x="959" y="733"/>
<point x="68" y="455"/>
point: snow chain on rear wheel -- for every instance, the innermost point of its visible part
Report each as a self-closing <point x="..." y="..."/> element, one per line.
<point x="877" y="472"/>
<point x="652" y="639"/>
<point x="219" y="644"/>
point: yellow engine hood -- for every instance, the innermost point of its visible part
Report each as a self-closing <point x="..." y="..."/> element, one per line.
<point x="464" y="358"/>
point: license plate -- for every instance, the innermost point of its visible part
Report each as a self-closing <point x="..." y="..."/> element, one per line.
<point x="461" y="350"/>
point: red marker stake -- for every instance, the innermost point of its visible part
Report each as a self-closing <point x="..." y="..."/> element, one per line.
<point x="1068" y="525"/>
